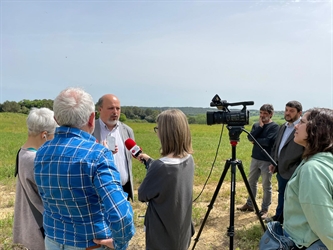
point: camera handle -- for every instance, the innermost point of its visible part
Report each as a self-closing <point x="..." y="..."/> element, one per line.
<point x="234" y="133"/>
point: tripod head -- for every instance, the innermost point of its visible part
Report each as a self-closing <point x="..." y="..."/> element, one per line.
<point x="234" y="133"/>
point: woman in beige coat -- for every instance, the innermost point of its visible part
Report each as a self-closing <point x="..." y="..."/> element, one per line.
<point x="26" y="231"/>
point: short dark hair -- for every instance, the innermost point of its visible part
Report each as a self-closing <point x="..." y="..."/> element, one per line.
<point x="267" y="107"/>
<point x="100" y="102"/>
<point x="319" y="129"/>
<point x="295" y="104"/>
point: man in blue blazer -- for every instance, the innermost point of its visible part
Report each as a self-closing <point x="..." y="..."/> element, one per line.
<point x="286" y="153"/>
<point x="108" y="124"/>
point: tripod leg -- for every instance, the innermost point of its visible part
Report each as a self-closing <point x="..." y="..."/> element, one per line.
<point x="210" y="206"/>
<point x="241" y="169"/>
<point x="231" y="228"/>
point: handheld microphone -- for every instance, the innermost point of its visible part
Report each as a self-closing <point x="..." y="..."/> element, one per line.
<point x="134" y="149"/>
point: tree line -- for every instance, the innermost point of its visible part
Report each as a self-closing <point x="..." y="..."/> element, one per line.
<point x="128" y="113"/>
<point x="24" y="106"/>
<point x="132" y="113"/>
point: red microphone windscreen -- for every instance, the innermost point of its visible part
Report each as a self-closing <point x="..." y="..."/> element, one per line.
<point x="129" y="143"/>
<point x="132" y="147"/>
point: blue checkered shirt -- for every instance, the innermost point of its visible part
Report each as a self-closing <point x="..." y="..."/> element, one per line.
<point x="81" y="191"/>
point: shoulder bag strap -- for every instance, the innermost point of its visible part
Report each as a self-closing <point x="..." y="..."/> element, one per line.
<point x="17" y="161"/>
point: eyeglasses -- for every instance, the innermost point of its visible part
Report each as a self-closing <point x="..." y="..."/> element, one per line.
<point x="155" y="129"/>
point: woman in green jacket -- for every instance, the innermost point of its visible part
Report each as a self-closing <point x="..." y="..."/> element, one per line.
<point x="308" y="207"/>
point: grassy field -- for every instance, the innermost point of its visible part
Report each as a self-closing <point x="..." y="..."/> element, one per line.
<point x="211" y="147"/>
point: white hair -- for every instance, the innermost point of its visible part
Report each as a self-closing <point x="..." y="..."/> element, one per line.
<point x="73" y="107"/>
<point x="40" y="120"/>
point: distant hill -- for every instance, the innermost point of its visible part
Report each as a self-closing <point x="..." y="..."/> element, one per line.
<point x="193" y="111"/>
<point x="187" y="110"/>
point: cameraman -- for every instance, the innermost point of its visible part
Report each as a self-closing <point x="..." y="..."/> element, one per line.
<point x="265" y="132"/>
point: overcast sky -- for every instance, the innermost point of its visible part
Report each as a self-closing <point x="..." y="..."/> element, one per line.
<point x="169" y="53"/>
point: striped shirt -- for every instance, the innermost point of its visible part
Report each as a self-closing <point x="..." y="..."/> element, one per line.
<point x="81" y="191"/>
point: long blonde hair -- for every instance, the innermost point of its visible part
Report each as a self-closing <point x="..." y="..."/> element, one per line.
<point x="174" y="133"/>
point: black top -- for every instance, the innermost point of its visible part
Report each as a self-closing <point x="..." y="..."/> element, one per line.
<point x="265" y="136"/>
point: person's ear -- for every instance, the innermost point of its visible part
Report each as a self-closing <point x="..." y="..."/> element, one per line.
<point x="44" y="135"/>
<point x="91" y="121"/>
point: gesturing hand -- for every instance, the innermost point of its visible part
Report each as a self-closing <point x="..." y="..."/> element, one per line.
<point x="105" y="242"/>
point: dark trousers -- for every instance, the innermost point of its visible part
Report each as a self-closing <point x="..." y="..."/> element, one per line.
<point x="282" y="183"/>
<point x="127" y="189"/>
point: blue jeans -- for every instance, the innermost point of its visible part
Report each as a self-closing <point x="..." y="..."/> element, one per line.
<point x="275" y="237"/>
<point x="282" y="183"/>
<point x="317" y="245"/>
<point x="53" y="245"/>
<point x="260" y="168"/>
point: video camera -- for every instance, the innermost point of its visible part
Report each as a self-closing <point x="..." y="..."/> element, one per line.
<point x="225" y="116"/>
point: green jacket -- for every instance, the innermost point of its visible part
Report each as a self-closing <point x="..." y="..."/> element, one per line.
<point x="308" y="202"/>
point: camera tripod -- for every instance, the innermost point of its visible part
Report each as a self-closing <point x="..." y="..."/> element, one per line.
<point x="234" y="133"/>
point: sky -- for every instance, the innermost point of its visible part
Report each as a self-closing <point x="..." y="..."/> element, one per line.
<point x="169" y="53"/>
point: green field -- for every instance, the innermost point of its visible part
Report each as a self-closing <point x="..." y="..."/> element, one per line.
<point x="209" y="148"/>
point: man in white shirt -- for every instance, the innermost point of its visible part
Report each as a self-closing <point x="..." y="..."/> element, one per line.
<point x="108" y="123"/>
<point x="286" y="153"/>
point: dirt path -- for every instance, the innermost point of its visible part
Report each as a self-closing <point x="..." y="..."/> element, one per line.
<point x="214" y="234"/>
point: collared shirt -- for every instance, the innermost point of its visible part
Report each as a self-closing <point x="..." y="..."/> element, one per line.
<point x="287" y="132"/>
<point x="81" y="191"/>
<point x="119" y="157"/>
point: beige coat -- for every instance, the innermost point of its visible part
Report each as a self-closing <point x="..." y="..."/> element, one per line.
<point x="26" y="230"/>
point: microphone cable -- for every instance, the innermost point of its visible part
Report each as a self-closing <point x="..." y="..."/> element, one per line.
<point x="211" y="170"/>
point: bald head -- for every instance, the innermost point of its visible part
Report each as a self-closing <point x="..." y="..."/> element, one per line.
<point x="108" y="98"/>
<point x="109" y="109"/>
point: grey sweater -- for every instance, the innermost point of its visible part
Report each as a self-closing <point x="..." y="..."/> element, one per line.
<point x="168" y="188"/>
